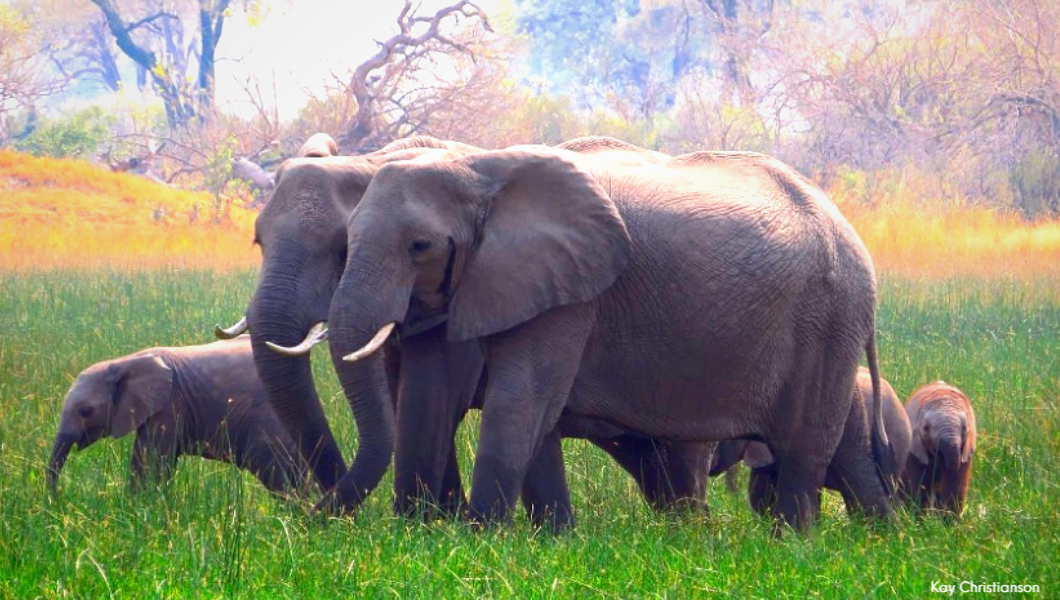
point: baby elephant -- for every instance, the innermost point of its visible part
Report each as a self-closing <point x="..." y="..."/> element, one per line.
<point x="940" y="464"/>
<point x="198" y="400"/>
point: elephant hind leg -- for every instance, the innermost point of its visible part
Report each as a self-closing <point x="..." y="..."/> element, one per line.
<point x="545" y="494"/>
<point x="798" y="497"/>
<point x="762" y="489"/>
<point x="815" y="400"/>
<point x="854" y="472"/>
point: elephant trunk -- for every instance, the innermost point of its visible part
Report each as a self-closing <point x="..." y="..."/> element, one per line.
<point x="60" y="450"/>
<point x="288" y="380"/>
<point x="363" y="303"/>
<point x="949" y="447"/>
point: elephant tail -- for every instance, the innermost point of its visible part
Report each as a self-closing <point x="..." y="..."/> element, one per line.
<point x="881" y="454"/>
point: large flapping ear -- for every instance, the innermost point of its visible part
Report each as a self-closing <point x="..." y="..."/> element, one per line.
<point x="144" y="385"/>
<point x="913" y="411"/>
<point x="548" y="235"/>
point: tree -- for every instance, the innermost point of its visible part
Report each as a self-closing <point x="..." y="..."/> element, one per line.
<point x="185" y="98"/>
<point x="413" y="74"/>
<point x="24" y="77"/>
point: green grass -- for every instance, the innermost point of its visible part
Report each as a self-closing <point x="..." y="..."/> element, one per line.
<point x="214" y="532"/>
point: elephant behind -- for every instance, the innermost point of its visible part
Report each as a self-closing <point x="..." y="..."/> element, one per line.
<point x="197" y="400"/>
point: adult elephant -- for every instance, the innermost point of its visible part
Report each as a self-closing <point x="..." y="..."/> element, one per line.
<point x="705" y="297"/>
<point x="302" y="234"/>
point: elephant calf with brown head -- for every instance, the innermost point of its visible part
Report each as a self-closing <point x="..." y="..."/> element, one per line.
<point x="199" y="400"/>
<point x="940" y="463"/>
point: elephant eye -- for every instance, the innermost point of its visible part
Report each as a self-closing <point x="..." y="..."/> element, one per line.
<point x="419" y="247"/>
<point x="85" y="412"/>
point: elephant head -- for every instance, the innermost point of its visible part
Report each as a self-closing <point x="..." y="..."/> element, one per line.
<point x="302" y="236"/>
<point x="487" y="241"/>
<point x="110" y="399"/>
<point x="943" y="426"/>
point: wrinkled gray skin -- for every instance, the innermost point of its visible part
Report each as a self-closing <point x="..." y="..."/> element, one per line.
<point x="757" y="455"/>
<point x="939" y="467"/>
<point x="700" y="298"/>
<point x="303" y="238"/>
<point x="196" y="400"/>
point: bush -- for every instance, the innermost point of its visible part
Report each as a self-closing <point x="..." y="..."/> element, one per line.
<point x="79" y="136"/>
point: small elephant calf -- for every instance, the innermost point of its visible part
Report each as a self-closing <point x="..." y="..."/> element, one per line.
<point x="939" y="466"/>
<point x="198" y="400"/>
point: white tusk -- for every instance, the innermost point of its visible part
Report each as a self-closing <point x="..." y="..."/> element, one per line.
<point x="318" y="333"/>
<point x="373" y="345"/>
<point x="233" y="331"/>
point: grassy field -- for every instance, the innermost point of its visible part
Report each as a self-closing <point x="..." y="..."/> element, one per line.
<point x="215" y="532"/>
<point x="966" y="295"/>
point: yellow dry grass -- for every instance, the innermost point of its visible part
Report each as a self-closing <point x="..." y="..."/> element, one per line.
<point x="63" y="213"/>
<point x="59" y="213"/>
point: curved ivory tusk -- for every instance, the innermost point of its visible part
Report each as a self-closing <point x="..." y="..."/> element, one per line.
<point x="317" y="333"/>
<point x="373" y="345"/>
<point x="233" y="331"/>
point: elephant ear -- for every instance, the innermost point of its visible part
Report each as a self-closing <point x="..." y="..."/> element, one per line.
<point x="917" y="447"/>
<point x="548" y="235"/>
<point x="143" y="386"/>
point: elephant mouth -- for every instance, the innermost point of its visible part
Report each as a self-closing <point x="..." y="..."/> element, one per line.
<point x="420" y="324"/>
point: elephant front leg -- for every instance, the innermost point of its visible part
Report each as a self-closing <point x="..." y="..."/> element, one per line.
<point x="452" y="499"/>
<point x="436" y="384"/>
<point x="154" y="457"/>
<point x="546" y="496"/>
<point x="531" y="371"/>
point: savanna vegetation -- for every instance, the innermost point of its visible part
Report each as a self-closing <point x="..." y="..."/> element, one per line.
<point x="933" y="125"/>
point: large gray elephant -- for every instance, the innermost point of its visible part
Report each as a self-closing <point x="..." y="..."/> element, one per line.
<point x="700" y="298"/>
<point x="192" y="400"/>
<point x="303" y="238"/>
<point x="757" y="455"/>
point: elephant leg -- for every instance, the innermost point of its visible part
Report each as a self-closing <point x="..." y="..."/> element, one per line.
<point x="853" y="471"/>
<point x="762" y="489"/>
<point x="452" y="499"/>
<point x="528" y="388"/>
<point x="545" y="494"/>
<point x="730" y="479"/>
<point x="436" y="383"/>
<point x="670" y="475"/>
<point x="153" y="460"/>
<point x="272" y="467"/>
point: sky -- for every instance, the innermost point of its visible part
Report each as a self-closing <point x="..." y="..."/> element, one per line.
<point x="301" y="44"/>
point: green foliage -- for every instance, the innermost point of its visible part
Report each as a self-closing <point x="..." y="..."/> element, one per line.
<point x="215" y="532"/>
<point x="1035" y="183"/>
<point x="81" y="135"/>
<point x="218" y="174"/>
